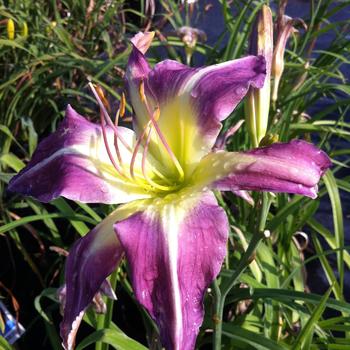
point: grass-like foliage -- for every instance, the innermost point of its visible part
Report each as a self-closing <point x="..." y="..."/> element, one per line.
<point x="267" y="295"/>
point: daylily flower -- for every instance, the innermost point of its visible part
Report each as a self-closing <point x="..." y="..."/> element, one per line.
<point x="170" y="227"/>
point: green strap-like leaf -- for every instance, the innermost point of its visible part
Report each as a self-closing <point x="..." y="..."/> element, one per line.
<point x="113" y="337"/>
<point x="305" y="336"/>
<point x="4" y="345"/>
<point x="334" y="196"/>
<point x="257" y="341"/>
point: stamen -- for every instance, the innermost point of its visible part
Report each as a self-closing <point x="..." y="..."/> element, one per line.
<point x="105" y="140"/>
<point x="116" y="121"/>
<point x="137" y="146"/>
<point x="161" y="136"/>
<point x="144" y="153"/>
<point x="144" y="158"/>
<point x="107" y="117"/>
<point x="143" y="179"/>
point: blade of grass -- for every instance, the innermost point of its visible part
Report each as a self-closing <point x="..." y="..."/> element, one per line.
<point x="304" y="338"/>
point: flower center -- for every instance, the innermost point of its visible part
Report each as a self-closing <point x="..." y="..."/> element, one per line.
<point x="146" y="174"/>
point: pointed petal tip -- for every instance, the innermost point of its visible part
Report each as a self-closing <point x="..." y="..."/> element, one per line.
<point x="107" y="290"/>
<point x="142" y="41"/>
<point x="69" y="110"/>
<point x="246" y="196"/>
<point x="71" y="113"/>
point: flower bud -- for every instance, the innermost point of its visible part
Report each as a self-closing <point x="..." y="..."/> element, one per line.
<point x="50" y="27"/>
<point x="24" y="31"/>
<point x="10" y="29"/>
<point x="278" y="55"/>
<point x="257" y="103"/>
<point x="189" y="37"/>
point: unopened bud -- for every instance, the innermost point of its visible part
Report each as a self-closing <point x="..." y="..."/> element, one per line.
<point x="10" y="29"/>
<point x="24" y="31"/>
<point x="189" y="37"/>
<point x="278" y="54"/>
<point x="50" y="27"/>
<point x="257" y="105"/>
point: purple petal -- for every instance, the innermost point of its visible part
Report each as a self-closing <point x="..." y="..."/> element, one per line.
<point x="142" y="41"/>
<point x="218" y="89"/>
<point x="294" y="167"/>
<point x="175" y="249"/>
<point x="73" y="162"/>
<point x="299" y="151"/>
<point x="192" y="101"/>
<point x="90" y="261"/>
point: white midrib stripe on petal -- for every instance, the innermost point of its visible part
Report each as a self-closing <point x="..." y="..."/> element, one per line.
<point x="96" y="154"/>
<point x="170" y="228"/>
<point x="190" y="83"/>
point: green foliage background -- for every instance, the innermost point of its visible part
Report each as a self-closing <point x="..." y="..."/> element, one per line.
<point x="269" y="305"/>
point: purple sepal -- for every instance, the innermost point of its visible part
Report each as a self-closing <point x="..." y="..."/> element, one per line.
<point x="173" y="258"/>
<point x="90" y="261"/>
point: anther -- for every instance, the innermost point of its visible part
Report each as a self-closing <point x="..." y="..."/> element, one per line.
<point x="107" y="117"/>
<point x="156" y="114"/>
<point x="102" y="96"/>
<point x="122" y="105"/>
<point x="105" y="140"/>
<point x="142" y="91"/>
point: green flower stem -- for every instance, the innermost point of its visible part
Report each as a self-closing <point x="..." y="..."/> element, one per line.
<point x="103" y="321"/>
<point x="220" y="295"/>
<point x="265" y="207"/>
<point x="216" y="318"/>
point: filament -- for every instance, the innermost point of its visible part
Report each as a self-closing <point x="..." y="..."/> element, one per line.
<point x="137" y="146"/>
<point x="116" y="121"/>
<point x="105" y="140"/>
